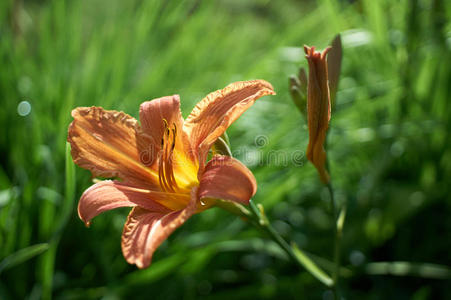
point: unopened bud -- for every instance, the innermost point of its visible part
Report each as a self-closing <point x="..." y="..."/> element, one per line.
<point x="318" y="109"/>
<point x="334" y="66"/>
<point x="298" y="95"/>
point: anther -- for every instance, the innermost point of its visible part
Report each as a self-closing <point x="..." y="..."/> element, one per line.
<point x="166" y="171"/>
<point x="174" y="136"/>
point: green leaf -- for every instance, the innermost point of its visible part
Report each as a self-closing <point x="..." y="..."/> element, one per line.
<point x="158" y="270"/>
<point x="69" y="194"/>
<point x="329" y="266"/>
<point x="225" y="137"/>
<point x="254" y="209"/>
<point x="70" y="177"/>
<point x="341" y="219"/>
<point x="234" y="208"/>
<point x="221" y="147"/>
<point x="298" y="95"/>
<point x="311" y="267"/>
<point x="334" y="59"/>
<point x="22" y="256"/>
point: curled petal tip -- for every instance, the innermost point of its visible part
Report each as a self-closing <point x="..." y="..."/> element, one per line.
<point x="218" y="110"/>
<point x="74" y="112"/>
<point x="325" y="51"/>
<point x="266" y="84"/>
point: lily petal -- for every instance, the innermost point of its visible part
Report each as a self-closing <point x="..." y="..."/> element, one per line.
<point x="152" y="113"/>
<point x="109" y="144"/>
<point x="145" y="230"/>
<point x="228" y="179"/>
<point x="214" y="114"/>
<point x="108" y="194"/>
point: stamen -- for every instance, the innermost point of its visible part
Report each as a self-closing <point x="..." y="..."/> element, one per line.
<point x="165" y="166"/>
<point x="166" y="125"/>
<point x="174" y="130"/>
<point x="161" y="174"/>
<point x="174" y="133"/>
<point x="171" y="177"/>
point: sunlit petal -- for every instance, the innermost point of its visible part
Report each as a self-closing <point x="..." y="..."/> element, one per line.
<point x="109" y="144"/>
<point x="106" y="195"/>
<point x="155" y="115"/>
<point x="214" y="114"/>
<point x="145" y="230"/>
<point x="152" y="113"/>
<point x="227" y="178"/>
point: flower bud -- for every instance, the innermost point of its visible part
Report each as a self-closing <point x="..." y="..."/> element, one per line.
<point x="318" y="109"/>
<point x="298" y="94"/>
<point x="334" y="59"/>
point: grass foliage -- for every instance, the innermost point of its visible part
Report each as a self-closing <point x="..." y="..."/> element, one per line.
<point x="389" y="145"/>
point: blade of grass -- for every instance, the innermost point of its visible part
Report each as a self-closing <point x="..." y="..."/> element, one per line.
<point x="22" y="255"/>
<point x="69" y="193"/>
<point x="310" y="266"/>
<point x="404" y="268"/>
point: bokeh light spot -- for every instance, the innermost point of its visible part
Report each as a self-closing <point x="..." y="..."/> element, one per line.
<point x="24" y="108"/>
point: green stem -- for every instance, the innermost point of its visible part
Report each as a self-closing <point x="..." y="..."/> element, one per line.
<point x="337" y="239"/>
<point x="257" y="217"/>
<point x="336" y="230"/>
<point x="267" y="227"/>
<point x="263" y="223"/>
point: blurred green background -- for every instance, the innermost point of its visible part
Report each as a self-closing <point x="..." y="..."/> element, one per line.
<point x="389" y="145"/>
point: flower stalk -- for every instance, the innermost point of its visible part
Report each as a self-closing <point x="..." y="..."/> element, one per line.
<point x="257" y="217"/>
<point x="336" y="239"/>
<point x="322" y="84"/>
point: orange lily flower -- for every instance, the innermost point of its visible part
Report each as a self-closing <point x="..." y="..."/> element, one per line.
<point x="318" y="109"/>
<point x="162" y="163"/>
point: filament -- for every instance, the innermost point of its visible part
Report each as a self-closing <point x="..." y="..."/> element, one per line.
<point x="165" y="165"/>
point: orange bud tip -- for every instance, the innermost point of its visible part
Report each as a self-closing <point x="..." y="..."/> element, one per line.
<point x="325" y="51"/>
